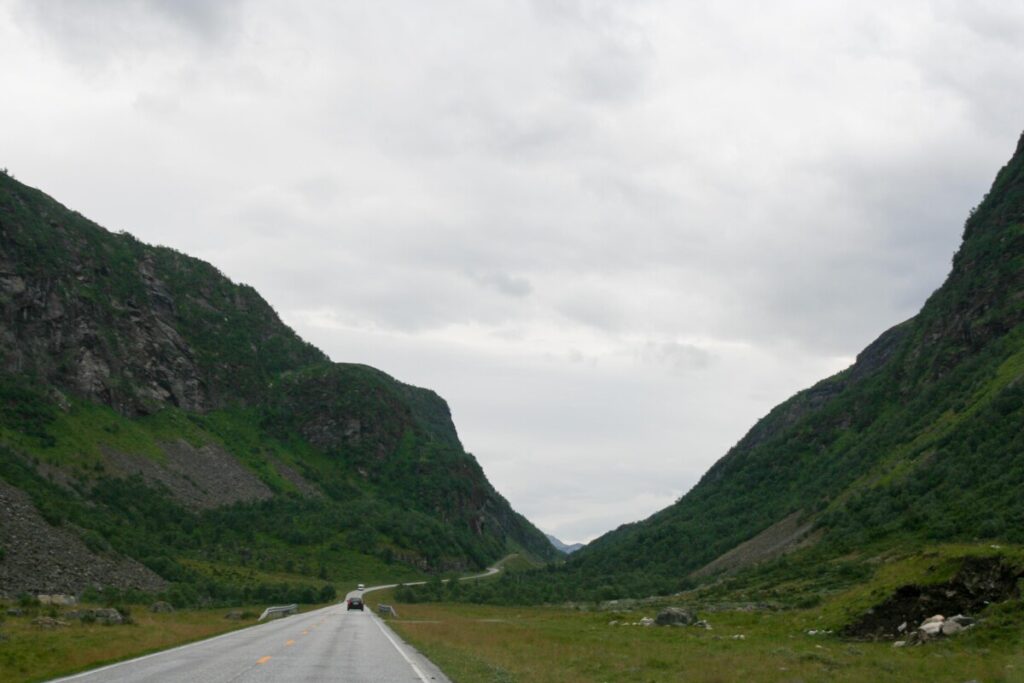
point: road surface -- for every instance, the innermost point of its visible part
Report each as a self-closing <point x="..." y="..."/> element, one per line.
<point x="329" y="644"/>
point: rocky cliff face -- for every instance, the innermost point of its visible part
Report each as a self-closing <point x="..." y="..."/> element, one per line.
<point x="214" y="402"/>
<point x="135" y="327"/>
<point x="395" y="436"/>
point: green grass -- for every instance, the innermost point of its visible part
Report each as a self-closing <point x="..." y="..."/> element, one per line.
<point x="476" y="643"/>
<point x="519" y="561"/>
<point x="344" y="570"/>
<point x="541" y="644"/>
<point x="932" y="565"/>
<point x="31" y="653"/>
<point x="79" y="436"/>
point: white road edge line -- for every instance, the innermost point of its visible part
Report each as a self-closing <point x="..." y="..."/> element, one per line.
<point x="423" y="676"/>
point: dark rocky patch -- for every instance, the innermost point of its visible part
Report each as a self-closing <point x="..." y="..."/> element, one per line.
<point x="675" y="616"/>
<point x="980" y="582"/>
<point x="40" y="558"/>
<point x="200" y="477"/>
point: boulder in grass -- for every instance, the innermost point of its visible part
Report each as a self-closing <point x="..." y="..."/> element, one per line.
<point x="950" y="628"/>
<point x="675" y="616"/>
<point x="161" y="607"/>
<point x="108" y="616"/>
<point x="58" y="599"/>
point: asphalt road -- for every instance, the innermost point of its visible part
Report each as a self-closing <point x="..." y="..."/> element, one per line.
<point x="329" y="644"/>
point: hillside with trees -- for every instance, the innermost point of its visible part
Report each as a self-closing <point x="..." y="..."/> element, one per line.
<point x="161" y="429"/>
<point x="920" y="442"/>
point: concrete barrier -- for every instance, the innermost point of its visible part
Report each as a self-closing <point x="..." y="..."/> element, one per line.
<point x="277" y="612"/>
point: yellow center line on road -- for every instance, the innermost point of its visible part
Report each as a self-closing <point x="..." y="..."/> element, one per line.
<point x="289" y="643"/>
<point x="263" y="660"/>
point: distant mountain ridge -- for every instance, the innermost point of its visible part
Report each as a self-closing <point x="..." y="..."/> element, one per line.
<point x="931" y="411"/>
<point x="565" y="548"/>
<point x="140" y="385"/>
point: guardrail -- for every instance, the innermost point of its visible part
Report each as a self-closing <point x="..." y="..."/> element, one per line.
<point x="281" y="611"/>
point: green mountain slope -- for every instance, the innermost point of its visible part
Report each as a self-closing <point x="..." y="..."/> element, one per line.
<point x="921" y="438"/>
<point x="918" y="444"/>
<point x="159" y="417"/>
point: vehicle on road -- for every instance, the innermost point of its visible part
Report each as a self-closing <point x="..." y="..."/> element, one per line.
<point x="360" y="587"/>
<point x="355" y="602"/>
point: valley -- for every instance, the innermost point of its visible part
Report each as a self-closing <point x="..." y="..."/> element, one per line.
<point x="163" y="435"/>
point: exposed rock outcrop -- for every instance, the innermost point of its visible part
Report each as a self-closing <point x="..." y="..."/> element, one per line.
<point x="980" y="581"/>
<point x="198" y="477"/>
<point x="39" y="558"/>
<point x="675" y="616"/>
<point x="783" y="536"/>
<point x="135" y="327"/>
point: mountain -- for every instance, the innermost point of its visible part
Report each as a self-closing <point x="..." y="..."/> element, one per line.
<point x="919" y="443"/>
<point x="919" y="440"/>
<point x="161" y="428"/>
<point x="563" y="547"/>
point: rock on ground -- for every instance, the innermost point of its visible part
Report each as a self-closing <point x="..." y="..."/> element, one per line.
<point x="675" y="616"/>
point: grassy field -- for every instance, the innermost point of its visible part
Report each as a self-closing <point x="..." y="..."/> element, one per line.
<point x="29" y="652"/>
<point x="539" y="644"/>
<point x="759" y="632"/>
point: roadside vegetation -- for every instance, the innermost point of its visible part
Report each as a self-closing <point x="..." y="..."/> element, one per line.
<point x="777" y="622"/>
<point x="41" y="642"/>
<point x="474" y="643"/>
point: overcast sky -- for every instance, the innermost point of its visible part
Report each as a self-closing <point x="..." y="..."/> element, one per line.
<point x="611" y="234"/>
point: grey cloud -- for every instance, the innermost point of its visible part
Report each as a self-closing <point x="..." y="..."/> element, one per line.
<point x="610" y="73"/>
<point x="509" y="285"/>
<point x="94" y="32"/>
<point x="211" y="20"/>
<point x="472" y="196"/>
<point x="991" y="21"/>
<point x="676" y="356"/>
<point x="157" y="105"/>
<point x="592" y="306"/>
<point x="319" y="190"/>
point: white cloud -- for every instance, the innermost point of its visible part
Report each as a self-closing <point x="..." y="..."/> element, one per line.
<point x="608" y="233"/>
